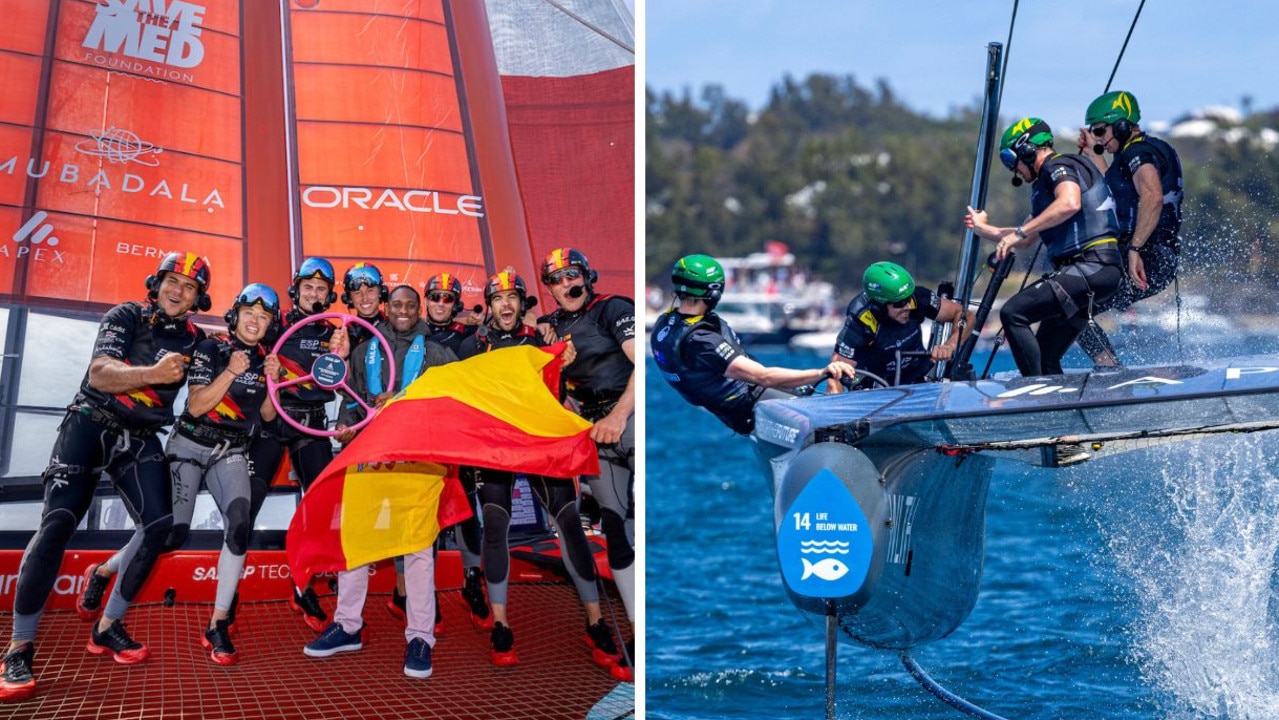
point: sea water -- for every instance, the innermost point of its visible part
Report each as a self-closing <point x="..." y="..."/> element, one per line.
<point x="1141" y="585"/>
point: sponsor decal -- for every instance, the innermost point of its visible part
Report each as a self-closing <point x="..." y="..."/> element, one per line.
<point x="775" y="432"/>
<point x="155" y="38"/>
<point x="99" y="181"/>
<point x="270" y="571"/>
<point x="120" y="146"/>
<point x="324" y="197"/>
<point x="30" y="238"/>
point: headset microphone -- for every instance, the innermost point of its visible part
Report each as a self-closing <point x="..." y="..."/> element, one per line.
<point x="478" y="309"/>
<point x="576" y="291"/>
<point x="1098" y="148"/>
<point x="1016" y="181"/>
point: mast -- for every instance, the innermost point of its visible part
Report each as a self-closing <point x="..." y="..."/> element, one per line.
<point x="977" y="196"/>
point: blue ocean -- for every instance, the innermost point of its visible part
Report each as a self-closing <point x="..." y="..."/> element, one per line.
<point x="1141" y="585"/>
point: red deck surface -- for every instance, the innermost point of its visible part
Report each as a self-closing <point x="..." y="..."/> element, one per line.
<point x="555" y="678"/>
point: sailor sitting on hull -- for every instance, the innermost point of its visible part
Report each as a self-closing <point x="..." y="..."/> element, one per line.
<point x="883" y="328"/>
<point x="701" y="357"/>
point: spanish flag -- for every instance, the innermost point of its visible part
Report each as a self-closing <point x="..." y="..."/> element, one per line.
<point x="391" y="489"/>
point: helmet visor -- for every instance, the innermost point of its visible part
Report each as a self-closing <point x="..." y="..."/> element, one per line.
<point x="257" y="294"/>
<point x="315" y="268"/>
<point x="1008" y="158"/>
<point x="357" y="278"/>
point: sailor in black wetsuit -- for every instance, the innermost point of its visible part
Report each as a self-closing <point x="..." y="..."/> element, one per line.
<point x="601" y="383"/>
<point x="507" y="298"/>
<point x="139" y="362"/>
<point x="364" y="293"/>
<point x="443" y="307"/>
<point x="312" y="294"/>
<point x="1073" y="212"/>
<point x="701" y="357"/>
<point x="1145" y="178"/>
<point x="226" y="404"/>
<point x="887" y="318"/>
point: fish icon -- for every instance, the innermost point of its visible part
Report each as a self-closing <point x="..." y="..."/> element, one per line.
<point x="829" y="569"/>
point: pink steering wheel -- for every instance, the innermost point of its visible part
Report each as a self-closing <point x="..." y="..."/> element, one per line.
<point x="329" y="371"/>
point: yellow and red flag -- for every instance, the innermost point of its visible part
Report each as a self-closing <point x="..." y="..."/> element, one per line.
<point x="392" y="488"/>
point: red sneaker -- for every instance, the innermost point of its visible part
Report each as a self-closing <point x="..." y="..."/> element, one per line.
<point x="114" y="640"/>
<point x="16" y="681"/>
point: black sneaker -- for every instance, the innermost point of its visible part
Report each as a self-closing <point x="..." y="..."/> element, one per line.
<point x="308" y="605"/>
<point x="473" y="593"/>
<point x="124" y="649"/>
<point x="600" y="639"/>
<point x="218" y="640"/>
<point x="92" y="589"/>
<point x="16" y="681"/>
<point x="417" y="659"/>
<point x="503" y="641"/>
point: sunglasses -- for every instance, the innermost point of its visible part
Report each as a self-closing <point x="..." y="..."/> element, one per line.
<point x="1098" y="130"/>
<point x="441" y="297"/>
<point x="559" y="276"/>
<point x="899" y="304"/>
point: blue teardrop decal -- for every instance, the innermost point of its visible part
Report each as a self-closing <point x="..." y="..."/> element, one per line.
<point x="824" y="543"/>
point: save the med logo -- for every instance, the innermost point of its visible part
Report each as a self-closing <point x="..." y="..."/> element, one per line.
<point x="155" y="31"/>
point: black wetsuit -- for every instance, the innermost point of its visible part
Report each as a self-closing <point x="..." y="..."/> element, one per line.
<point x="229" y="428"/>
<point x="872" y="339"/>
<point x="1085" y="251"/>
<point x="113" y="433"/>
<point x="557" y="495"/>
<point x="692" y="353"/>
<point x="451" y="334"/>
<point x="595" y="381"/>
<point x="1160" y="251"/>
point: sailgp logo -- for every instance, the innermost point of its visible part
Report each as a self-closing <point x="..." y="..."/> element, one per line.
<point x="148" y="31"/>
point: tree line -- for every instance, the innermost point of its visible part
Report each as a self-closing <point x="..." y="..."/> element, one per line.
<point x="847" y="175"/>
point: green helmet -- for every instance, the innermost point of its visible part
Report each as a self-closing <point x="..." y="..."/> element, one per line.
<point x="886" y="282"/>
<point x="1032" y="129"/>
<point x="699" y="276"/>
<point x="1113" y="107"/>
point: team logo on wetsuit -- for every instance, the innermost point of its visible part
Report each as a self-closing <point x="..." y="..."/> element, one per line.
<point x="227" y="409"/>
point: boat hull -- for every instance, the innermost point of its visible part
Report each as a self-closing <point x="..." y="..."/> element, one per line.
<point x="890" y="540"/>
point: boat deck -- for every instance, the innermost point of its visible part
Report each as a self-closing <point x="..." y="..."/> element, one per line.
<point x="555" y="678"/>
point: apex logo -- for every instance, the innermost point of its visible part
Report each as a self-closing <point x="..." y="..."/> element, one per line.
<point x="149" y="30"/>
<point x="35" y="231"/>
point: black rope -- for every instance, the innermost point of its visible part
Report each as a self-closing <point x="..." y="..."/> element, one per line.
<point x="1008" y="46"/>
<point x="1131" y="27"/>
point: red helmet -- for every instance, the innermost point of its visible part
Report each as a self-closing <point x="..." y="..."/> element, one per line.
<point x="446" y="282"/>
<point x="186" y="264"/>
<point x="505" y="281"/>
<point x="566" y="257"/>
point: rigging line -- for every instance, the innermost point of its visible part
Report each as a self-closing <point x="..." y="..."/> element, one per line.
<point x="1131" y="27"/>
<point x="1008" y="46"/>
<point x="942" y="693"/>
<point x="595" y="28"/>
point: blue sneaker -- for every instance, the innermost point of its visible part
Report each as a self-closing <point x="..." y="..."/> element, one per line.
<point x="335" y="640"/>
<point x="417" y="659"/>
